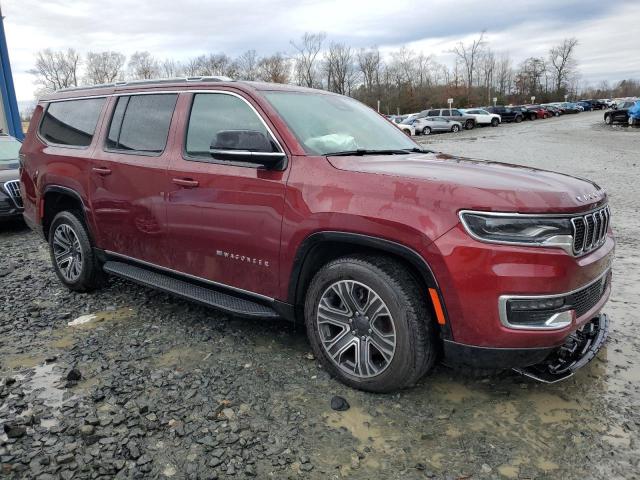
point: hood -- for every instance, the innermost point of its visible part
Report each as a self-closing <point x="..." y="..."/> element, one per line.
<point x="7" y="173"/>
<point x="483" y="185"/>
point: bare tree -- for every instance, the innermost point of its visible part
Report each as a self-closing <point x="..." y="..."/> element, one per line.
<point x="307" y="56"/>
<point x="504" y="74"/>
<point x="339" y="67"/>
<point x="56" y="69"/>
<point x="248" y="65"/>
<point x="103" y="67"/>
<point x="562" y="62"/>
<point x="468" y="54"/>
<point x="275" y="68"/>
<point x="170" y="68"/>
<point x="370" y="62"/>
<point x="143" y="66"/>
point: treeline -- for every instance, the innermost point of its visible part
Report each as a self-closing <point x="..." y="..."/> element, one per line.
<point x="402" y="81"/>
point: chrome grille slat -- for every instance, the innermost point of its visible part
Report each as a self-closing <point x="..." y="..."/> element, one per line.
<point x="590" y="230"/>
<point x="13" y="189"/>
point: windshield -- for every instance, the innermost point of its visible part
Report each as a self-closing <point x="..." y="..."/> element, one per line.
<point x="326" y="124"/>
<point x="9" y="150"/>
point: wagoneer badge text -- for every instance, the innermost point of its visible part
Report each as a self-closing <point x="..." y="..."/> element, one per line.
<point x="242" y="258"/>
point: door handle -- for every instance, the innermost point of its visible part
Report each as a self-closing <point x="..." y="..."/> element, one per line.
<point x="186" y="182"/>
<point x="104" y="171"/>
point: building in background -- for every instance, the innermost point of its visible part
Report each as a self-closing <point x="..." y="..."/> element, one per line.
<point x="9" y="114"/>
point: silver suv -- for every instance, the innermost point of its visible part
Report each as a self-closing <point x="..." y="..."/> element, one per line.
<point x="454" y="114"/>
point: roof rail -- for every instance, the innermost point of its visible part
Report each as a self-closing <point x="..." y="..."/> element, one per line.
<point x="155" y="81"/>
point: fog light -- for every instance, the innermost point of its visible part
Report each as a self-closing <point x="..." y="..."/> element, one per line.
<point x="536" y="304"/>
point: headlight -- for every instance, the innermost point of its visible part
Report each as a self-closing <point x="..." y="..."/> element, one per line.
<point x="519" y="229"/>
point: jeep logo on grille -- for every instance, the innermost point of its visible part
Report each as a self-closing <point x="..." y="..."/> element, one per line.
<point x="588" y="197"/>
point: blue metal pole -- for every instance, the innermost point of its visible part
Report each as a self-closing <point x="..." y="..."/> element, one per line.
<point x="7" y="89"/>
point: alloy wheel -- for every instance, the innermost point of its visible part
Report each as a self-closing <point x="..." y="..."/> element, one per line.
<point x="356" y="329"/>
<point x="67" y="252"/>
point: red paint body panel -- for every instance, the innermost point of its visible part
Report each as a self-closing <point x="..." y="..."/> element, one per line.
<point x="243" y="226"/>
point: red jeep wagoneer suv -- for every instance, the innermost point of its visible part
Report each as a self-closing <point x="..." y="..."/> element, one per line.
<point x="268" y="200"/>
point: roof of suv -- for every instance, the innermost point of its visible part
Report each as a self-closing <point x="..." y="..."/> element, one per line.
<point x="190" y="82"/>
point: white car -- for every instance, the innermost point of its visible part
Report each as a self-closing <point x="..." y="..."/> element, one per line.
<point x="483" y="117"/>
<point x="407" y="128"/>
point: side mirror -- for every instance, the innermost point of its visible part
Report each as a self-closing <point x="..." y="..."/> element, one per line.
<point x="249" y="146"/>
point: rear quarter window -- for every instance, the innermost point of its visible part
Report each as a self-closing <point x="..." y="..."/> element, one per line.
<point x="71" y="122"/>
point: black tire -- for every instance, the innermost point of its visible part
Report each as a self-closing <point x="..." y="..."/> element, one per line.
<point x="455" y="129"/>
<point x="518" y="119"/>
<point x="90" y="275"/>
<point x="469" y="124"/>
<point x="494" y="122"/>
<point x="407" y="132"/>
<point x="608" y="119"/>
<point x="415" y="341"/>
<point x="426" y="131"/>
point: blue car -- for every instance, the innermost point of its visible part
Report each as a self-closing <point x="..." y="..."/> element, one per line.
<point x="586" y="105"/>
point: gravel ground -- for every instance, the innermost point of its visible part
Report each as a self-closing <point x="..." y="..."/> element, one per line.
<point x="151" y="386"/>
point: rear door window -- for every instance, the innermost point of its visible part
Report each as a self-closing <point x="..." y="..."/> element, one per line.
<point x="71" y="122"/>
<point x="140" y="123"/>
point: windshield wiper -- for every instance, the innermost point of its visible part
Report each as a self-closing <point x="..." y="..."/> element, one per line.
<point x="364" y="151"/>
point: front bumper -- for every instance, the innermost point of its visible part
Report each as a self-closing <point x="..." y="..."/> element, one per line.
<point x="474" y="275"/>
<point x="548" y="365"/>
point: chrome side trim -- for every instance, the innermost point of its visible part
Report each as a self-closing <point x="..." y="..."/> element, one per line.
<point x="192" y="277"/>
<point x="503" y="299"/>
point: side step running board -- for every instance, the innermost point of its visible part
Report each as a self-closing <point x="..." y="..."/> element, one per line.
<point x="206" y="296"/>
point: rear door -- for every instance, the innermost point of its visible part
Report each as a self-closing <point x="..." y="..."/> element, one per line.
<point x="224" y="216"/>
<point x="128" y="178"/>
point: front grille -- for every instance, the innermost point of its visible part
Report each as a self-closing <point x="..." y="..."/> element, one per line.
<point x="590" y="231"/>
<point x="13" y="189"/>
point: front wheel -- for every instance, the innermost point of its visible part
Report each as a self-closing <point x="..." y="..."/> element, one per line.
<point x="608" y="120"/>
<point x="455" y="129"/>
<point x="426" y="131"/>
<point x="494" y="122"/>
<point x="518" y="119"/>
<point x="72" y="256"/>
<point x="368" y="323"/>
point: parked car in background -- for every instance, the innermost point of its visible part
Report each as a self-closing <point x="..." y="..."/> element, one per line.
<point x="482" y="117"/>
<point x="586" y="106"/>
<point x="507" y="114"/>
<point x="569" y="107"/>
<point x="10" y="199"/>
<point x="407" y="126"/>
<point x="553" y="110"/>
<point x="526" y="113"/>
<point x="619" y="114"/>
<point x="538" y="110"/>
<point x="428" y="125"/>
<point x="455" y="114"/>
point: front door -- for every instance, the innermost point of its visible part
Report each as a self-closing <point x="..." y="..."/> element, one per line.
<point x="128" y="177"/>
<point x="224" y="217"/>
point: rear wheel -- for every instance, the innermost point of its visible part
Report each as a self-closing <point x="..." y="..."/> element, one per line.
<point x="494" y="122"/>
<point x="72" y="254"/>
<point x="368" y="323"/>
<point x="518" y="119"/>
<point x="426" y="130"/>
<point x="455" y="128"/>
<point x="469" y="124"/>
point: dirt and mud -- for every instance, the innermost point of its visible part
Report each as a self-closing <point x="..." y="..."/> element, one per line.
<point x="131" y="383"/>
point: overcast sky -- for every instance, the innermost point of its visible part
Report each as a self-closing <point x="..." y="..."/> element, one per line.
<point x="606" y="29"/>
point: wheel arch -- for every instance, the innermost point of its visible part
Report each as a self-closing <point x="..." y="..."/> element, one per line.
<point x="321" y="247"/>
<point x="57" y="198"/>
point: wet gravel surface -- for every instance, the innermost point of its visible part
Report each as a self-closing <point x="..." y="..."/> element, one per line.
<point x="143" y="385"/>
